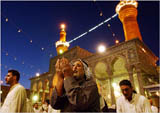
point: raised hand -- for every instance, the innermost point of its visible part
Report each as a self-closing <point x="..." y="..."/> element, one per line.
<point x="58" y="68"/>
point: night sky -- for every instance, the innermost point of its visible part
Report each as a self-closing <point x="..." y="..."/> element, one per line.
<point x="39" y="24"/>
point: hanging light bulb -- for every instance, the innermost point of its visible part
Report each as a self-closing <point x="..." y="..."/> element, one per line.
<point x="117" y="41"/>
<point x="15" y="58"/>
<point x="113" y="34"/>
<point x="6" y="19"/>
<point x="42" y="48"/>
<point x="6" y="54"/>
<point x="30" y="41"/>
<point x="19" y="30"/>
<point x="101" y="14"/>
<point x="5" y="67"/>
<point x="50" y="55"/>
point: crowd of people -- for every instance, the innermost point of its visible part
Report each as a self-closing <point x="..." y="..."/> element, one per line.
<point x="74" y="90"/>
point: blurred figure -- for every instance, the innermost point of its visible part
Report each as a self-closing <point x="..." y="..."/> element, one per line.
<point x="45" y="106"/>
<point x="112" y="108"/>
<point x="17" y="97"/>
<point x="75" y="90"/>
<point x="103" y="104"/>
<point x="36" y="108"/>
<point x="48" y="109"/>
<point x="131" y="102"/>
<point x="153" y="108"/>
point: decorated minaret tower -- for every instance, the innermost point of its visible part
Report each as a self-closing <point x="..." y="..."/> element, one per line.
<point x="127" y="11"/>
<point x="62" y="45"/>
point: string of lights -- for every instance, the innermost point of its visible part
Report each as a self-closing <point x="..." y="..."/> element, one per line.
<point x="20" y="30"/>
<point x="109" y="26"/>
<point x="16" y="59"/>
<point x="30" y="39"/>
<point x="93" y="28"/>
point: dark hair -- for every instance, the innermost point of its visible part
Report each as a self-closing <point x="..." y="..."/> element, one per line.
<point x="125" y="82"/>
<point x="48" y="101"/>
<point x="15" y="73"/>
<point x="134" y="91"/>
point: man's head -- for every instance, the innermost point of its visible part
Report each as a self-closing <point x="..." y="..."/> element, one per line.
<point x="126" y="89"/>
<point x="35" y="105"/>
<point x="12" y="77"/>
<point x="78" y="69"/>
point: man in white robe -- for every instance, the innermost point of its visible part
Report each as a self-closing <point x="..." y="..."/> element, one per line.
<point x="131" y="102"/>
<point x="15" y="101"/>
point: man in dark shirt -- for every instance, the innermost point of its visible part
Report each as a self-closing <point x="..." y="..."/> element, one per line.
<point x="74" y="88"/>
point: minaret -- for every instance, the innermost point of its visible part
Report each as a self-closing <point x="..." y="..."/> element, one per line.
<point x="62" y="45"/>
<point x="127" y="11"/>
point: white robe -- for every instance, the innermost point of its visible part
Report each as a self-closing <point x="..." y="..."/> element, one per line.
<point x="138" y="104"/>
<point x="15" y="100"/>
<point x="154" y="109"/>
<point x="51" y="110"/>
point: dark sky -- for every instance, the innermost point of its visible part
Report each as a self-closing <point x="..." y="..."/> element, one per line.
<point x="40" y="22"/>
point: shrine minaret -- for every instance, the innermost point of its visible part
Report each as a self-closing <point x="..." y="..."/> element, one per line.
<point x="62" y="45"/>
<point x="127" y="11"/>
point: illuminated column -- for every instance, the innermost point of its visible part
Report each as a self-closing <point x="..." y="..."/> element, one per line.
<point x="62" y="45"/>
<point x="127" y="11"/>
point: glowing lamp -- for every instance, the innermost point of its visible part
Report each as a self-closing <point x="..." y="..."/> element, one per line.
<point x="37" y="74"/>
<point x="117" y="41"/>
<point x="35" y="98"/>
<point x="63" y="26"/>
<point x="60" y="51"/>
<point x="6" y="19"/>
<point x="101" y="48"/>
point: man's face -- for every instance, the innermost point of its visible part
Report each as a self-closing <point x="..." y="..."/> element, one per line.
<point x="36" y="106"/>
<point x="9" y="78"/>
<point x="127" y="91"/>
<point x="78" y="71"/>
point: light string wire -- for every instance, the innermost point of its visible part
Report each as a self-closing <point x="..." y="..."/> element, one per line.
<point x="93" y="28"/>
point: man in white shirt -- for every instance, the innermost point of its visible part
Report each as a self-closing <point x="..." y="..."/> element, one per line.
<point x="131" y="102"/>
<point x="36" y="108"/>
<point x="15" y="101"/>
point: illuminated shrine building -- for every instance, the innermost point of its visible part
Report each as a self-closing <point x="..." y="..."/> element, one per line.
<point x="131" y="60"/>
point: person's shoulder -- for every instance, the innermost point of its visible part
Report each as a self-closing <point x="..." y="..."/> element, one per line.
<point x="20" y="87"/>
<point x="141" y="97"/>
<point x="120" y="99"/>
<point x="91" y="82"/>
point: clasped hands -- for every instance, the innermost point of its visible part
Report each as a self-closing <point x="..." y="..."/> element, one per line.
<point x="63" y="68"/>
